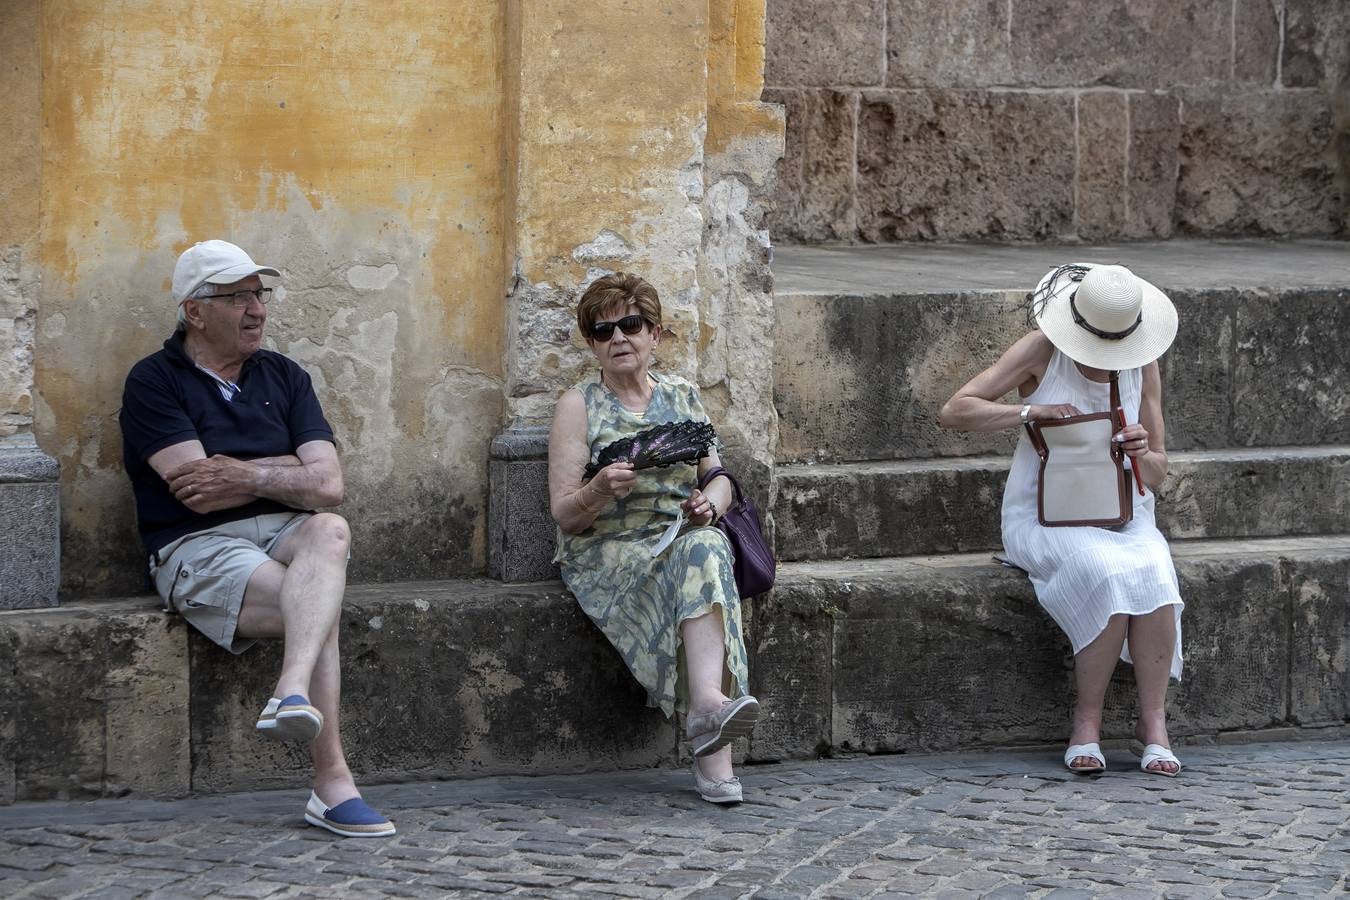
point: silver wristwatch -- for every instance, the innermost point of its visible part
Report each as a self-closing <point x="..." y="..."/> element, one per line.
<point x="1026" y="413"/>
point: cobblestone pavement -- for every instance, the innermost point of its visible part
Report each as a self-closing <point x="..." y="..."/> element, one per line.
<point x="1242" y="821"/>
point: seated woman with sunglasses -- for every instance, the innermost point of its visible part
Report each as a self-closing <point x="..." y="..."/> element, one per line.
<point x="674" y="617"/>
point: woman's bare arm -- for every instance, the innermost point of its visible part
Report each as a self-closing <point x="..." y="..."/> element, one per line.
<point x="1149" y="459"/>
<point x="976" y="406"/>
<point x="575" y="504"/>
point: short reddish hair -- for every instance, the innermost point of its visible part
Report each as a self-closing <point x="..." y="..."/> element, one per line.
<point x="615" y="292"/>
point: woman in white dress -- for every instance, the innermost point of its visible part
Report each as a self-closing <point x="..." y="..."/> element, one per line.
<point x="1113" y="591"/>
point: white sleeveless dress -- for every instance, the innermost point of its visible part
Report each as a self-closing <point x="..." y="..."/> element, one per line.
<point x="1085" y="575"/>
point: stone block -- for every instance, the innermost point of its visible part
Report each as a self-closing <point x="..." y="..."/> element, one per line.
<point x="30" y="521"/>
<point x="440" y="679"/>
<point x="1264" y="492"/>
<point x="1138" y="43"/>
<point x="9" y="711"/>
<point x="864" y="378"/>
<point x="889" y="509"/>
<point x="1234" y="642"/>
<point x="959" y="43"/>
<point x="1256" y="41"/>
<point x="521" y="532"/>
<point x="1259" y="163"/>
<point x="824" y="45"/>
<point x="930" y="656"/>
<point x="1316" y="50"/>
<point x="935" y="653"/>
<point x="1290" y="369"/>
<point x="1320" y="638"/>
<point x="915" y="507"/>
<point x="790" y="671"/>
<point x="100" y="701"/>
<point x="814" y="196"/>
<point x="1103" y="159"/>
<point x="951" y="165"/>
<point x="1151" y="186"/>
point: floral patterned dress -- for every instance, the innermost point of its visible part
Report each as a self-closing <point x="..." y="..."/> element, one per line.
<point x="639" y="601"/>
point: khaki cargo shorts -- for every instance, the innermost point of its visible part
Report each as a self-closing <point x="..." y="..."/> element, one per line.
<point x="202" y="576"/>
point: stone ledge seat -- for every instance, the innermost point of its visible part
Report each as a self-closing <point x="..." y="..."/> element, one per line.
<point x="870" y="341"/>
<point x="476" y="677"/>
<point x="951" y="505"/>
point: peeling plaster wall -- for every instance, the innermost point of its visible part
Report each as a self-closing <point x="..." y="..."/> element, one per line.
<point x="20" y="110"/>
<point x="357" y="147"/>
<point x="437" y="184"/>
<point x="744" y="143"/>
<point x="609" y="139"/>
<point x="667" y="177"/>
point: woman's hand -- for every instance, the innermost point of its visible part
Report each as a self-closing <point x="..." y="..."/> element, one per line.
<point x="698" y="509"/>
<point x="1133" y="439"/>
<point x="615" y="480"/>
<point x="1041" y="411"/>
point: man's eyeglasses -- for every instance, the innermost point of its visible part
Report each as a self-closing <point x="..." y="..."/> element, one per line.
<point x="603" y="331"/>
<point x="241" y="299"/>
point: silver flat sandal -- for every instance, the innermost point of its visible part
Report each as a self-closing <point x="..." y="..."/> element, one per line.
<point x="715" y="790"/>
<point x="713" y="731"/>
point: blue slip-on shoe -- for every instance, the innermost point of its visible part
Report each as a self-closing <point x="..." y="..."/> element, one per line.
<point x="350" y="818"/>
<point x="292" y="719"/>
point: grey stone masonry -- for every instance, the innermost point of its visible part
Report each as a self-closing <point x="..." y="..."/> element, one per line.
<point x="904" y="507"/>
<point x="871" y="341"/>
<point x="476" y="677"/>
<point x="1017" y="120"/>
<point x="521" y="531"/>
<point x="30" y="525"/>
<point x="1242" y="820"/>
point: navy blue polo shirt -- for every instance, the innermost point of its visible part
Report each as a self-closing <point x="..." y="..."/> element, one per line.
<point x="168" y="400"/>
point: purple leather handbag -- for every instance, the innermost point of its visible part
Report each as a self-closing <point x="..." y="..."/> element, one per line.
<point x="754" y="564"/>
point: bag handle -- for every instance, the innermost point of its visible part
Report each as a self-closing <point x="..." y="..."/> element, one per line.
<point x="1118" y="412"/>
<point x="718" y="471"/>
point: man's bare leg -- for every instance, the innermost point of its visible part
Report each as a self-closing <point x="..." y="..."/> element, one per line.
<point x="277" y="605"/>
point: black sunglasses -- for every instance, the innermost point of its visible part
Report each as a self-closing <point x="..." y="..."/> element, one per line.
<point x="603" y="331"/>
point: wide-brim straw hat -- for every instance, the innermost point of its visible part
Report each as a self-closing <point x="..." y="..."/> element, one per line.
<point x="1104" y="316"/>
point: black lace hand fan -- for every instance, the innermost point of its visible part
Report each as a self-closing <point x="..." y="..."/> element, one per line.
<point x="662" y="445"/>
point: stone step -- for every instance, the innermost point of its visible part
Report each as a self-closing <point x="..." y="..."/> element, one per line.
<point x="870" y="341"/>
<point x="476" y="677"/>
<point x="440" y="679"/>
<point x="904" y="507"/>
<point x="905" y="654"/>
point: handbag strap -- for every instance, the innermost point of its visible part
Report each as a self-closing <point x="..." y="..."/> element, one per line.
<point x="715" y="472"/>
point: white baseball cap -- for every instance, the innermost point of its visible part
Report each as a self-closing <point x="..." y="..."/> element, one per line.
<point x="214" y="262"/>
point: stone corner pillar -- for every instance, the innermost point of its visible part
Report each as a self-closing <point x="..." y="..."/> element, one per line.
<point x="521" y="532"/>
<point x="30" y="525"/>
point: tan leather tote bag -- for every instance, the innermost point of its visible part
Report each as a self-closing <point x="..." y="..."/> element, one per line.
<point x="1083" y="479"/>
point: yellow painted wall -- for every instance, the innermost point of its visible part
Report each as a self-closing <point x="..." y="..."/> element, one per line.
<point x="20" y="176"/>
<point x="436" y="181"/>
<point x="357" y="146"/>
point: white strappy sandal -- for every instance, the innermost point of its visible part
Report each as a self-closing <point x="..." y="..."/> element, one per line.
<point x="1155" y="753"/>
<point x="1093" y="751"/>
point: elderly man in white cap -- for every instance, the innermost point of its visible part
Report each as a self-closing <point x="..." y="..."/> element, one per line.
<point x="229" y="453"/>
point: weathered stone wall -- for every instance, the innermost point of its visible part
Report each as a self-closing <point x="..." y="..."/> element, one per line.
<point x="358" y="149"/>
<point x="436" y="183"/>
<point x="20" y="77"/>
<point x="668" y="178"/>
<point x="1033" y="119"/>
